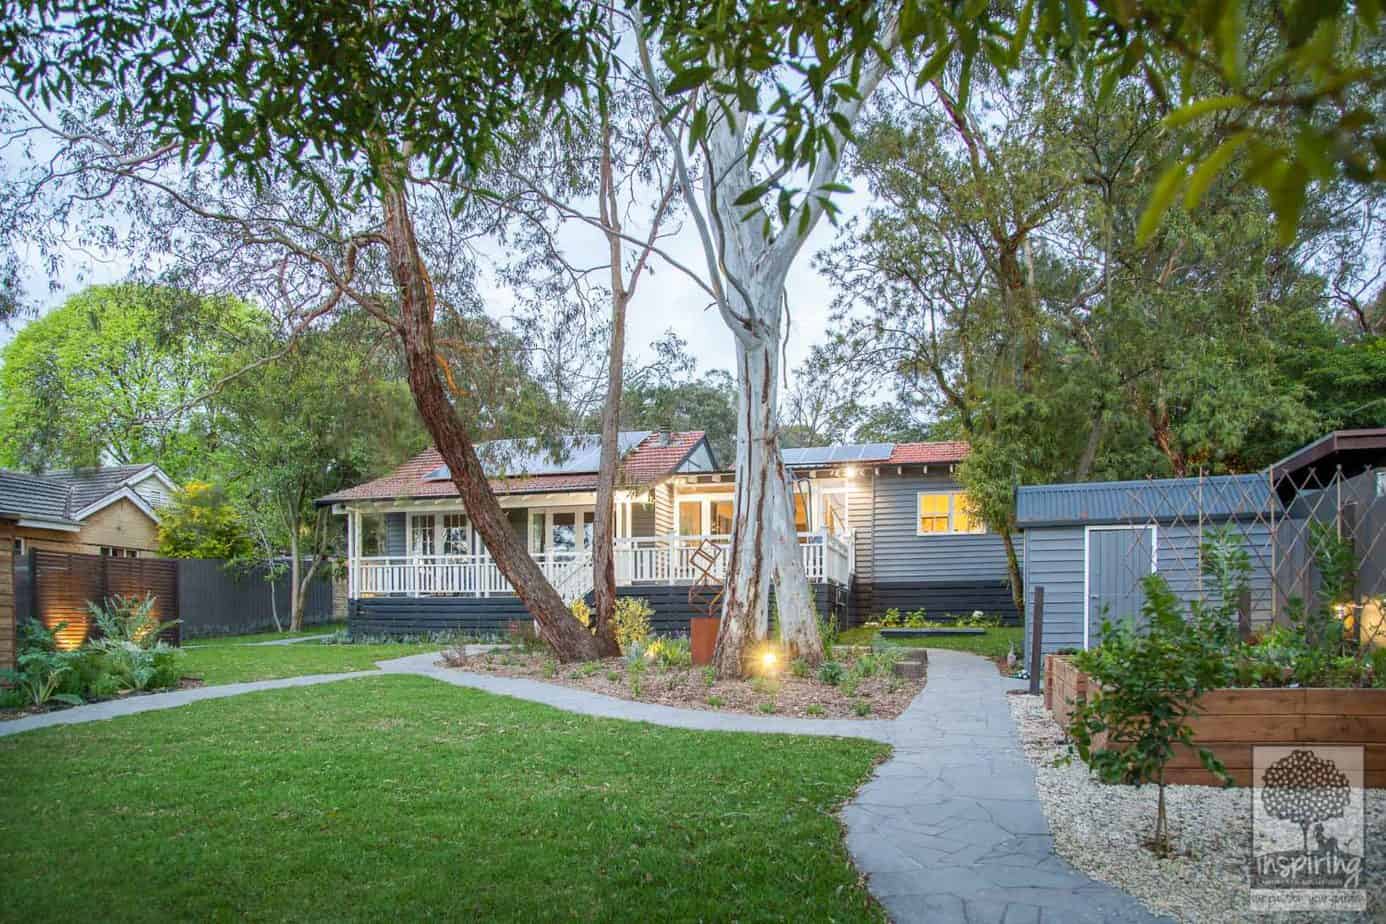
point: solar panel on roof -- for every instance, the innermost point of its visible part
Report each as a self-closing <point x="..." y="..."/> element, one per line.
<point x="809" y="456"/>
<point x="577" y="455"/>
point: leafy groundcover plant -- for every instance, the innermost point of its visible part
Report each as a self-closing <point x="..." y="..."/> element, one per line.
<point x="126" y="656"/>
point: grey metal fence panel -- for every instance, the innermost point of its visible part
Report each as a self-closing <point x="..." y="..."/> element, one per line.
<point x="215" y="600"/>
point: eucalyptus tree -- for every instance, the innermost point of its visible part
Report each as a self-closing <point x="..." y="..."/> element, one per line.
<point x="605" y="176"/>
<point x="326" y="124"/>
<point x="748" y="254"/>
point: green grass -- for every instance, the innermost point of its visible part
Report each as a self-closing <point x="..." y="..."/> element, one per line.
<point x="401" y="798"/>
<point x="994" y="644"/>
<point x="232" y="664"/>
<point x="325" y="629"/>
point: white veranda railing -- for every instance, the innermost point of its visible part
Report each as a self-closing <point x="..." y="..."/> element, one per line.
<point x="641" y="560"/>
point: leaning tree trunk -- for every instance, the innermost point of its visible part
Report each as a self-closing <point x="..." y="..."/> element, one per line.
<point x="557" y="627"/>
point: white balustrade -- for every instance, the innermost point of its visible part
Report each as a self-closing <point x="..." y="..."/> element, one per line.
<point x="641" y="560"/>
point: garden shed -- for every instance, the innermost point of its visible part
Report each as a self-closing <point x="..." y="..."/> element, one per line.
<point x="1089" y="545"/>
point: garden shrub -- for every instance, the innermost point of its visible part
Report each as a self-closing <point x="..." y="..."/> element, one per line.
<point x="40" y="669"/>
<point x="1145" y="691"/>
<point x="129" y="619"/>
<point x="670" y="652"/>
<point x="831" y="673"/>
<point x="891" y="619"/>
<point x="632" y="618"/>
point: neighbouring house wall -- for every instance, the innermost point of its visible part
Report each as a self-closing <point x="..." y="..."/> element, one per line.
<point x="153" y="491"/>
<point x="121" y="525"/>
<point x="8" y="639"/>
<point x="860" y="500"/>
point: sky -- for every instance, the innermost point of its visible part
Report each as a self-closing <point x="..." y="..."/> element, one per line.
<point x="666" y="300"/>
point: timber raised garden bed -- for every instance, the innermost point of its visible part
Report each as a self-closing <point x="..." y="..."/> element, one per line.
<point x="1232" y="721"/>
<point x="926" y="633"/>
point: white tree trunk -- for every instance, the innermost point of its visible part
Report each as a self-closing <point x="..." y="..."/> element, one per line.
<point x="764" y="543"/>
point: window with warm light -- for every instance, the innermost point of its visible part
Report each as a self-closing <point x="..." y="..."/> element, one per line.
<point x="722" y="517"/>
<point x="946" y="512"/>
<point x="933" y="513"/>
<point x="801" y="521"/>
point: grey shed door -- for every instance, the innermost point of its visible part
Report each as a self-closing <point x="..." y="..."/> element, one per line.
<point x="1117" y="561"/>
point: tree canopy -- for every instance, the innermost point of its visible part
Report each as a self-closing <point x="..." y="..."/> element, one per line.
<point x="118" y="374"/>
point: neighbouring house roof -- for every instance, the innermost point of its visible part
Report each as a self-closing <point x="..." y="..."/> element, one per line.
<point x="1163" y="500"/>
<point x="650" y="457"/>
<point x="36" y="498"/>
<point x="63" y="499"/>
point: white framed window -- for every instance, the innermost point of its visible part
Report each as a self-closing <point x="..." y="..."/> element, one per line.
<point x="19" y="547"/>
<point x="705" y="514"/>
<point x="945" y="512"/>
<point x="111" y="551"/>
<point x="456" y="540"/>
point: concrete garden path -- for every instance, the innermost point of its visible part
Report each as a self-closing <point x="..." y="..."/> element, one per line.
<point x="948" y="830"/>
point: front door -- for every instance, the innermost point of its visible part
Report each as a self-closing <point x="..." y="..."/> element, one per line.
<point x="1118" y="559"/>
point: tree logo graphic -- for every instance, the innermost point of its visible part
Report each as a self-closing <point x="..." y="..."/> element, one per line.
<point x="1309" y="828"/>
<point x="1305" y="789"/>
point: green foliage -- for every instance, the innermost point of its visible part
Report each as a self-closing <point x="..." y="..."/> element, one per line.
<point x="129" y="619"/>
<point x="40" y="669"/>
<point x="799" y="668"/>
<point x="632" y="620"/>
<point x="815" y="709"/>
<point x="831" y="673"/>
<point x="323" y="417"/>
<point x="282" y="115"/>
<point x="1145" y="690"/>
<point x="670" y="653"/>
<point x="862" y="708"/>
<point x="715" y="701"/>
<point x="117" y="373"/>
<point x="707" y="403"/>
<point x="709" y="675"/>
<point x="199" y="522"/>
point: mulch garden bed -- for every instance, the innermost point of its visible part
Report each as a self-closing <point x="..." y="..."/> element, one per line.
<point x="869" y="688"/>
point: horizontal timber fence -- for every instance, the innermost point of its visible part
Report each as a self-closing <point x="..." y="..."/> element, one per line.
<point x="60" y="586"/>
<point x="204" y="595"/>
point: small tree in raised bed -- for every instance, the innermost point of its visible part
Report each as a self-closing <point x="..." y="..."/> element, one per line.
<point x="1146" y="687"/>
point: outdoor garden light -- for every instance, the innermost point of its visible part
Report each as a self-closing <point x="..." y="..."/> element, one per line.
<point x="767" y="660"/>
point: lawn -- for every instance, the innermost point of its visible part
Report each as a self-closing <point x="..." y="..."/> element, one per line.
<point x="223" y="663"/>
<point x="403" y="798"/>
<point x="994" y="644"/>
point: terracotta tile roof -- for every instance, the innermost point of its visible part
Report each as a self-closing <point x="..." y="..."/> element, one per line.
<point x="651" y="461"/>
<point x="926" y="453"/>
